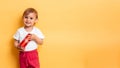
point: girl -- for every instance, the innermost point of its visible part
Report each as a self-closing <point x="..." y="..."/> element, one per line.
<point x="28" y="55"/>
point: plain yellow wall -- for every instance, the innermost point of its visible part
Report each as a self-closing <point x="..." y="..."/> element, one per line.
<point x="78" y="33"/>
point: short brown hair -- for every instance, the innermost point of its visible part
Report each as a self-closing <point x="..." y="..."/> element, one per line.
<point x="30" y="10"/>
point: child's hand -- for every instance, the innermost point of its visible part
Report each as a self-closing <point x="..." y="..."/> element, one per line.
<point x="29" y="37"/>
<point x="20" y="48"/>
<point x="36" y="39"/>
<point x="33" y="37"/>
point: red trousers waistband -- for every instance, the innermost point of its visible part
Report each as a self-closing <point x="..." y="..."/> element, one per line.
<point x="28" y="51"/>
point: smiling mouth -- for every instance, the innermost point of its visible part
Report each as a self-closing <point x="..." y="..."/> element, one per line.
<point x="27" y="22"/>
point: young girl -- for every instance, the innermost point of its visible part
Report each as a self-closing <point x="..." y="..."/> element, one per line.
<point x="28" y="55"/>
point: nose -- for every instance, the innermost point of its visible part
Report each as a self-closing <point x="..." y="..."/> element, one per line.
<point x="28" y="19"/>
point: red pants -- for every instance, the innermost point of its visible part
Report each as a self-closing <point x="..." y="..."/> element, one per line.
<point x="29" y="59"/>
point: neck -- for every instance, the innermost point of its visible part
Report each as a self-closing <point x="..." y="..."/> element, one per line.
<point x="28" y="29"/>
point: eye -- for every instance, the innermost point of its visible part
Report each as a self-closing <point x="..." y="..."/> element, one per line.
<point x="31" y="18"/>
<point x="26" y="17"/>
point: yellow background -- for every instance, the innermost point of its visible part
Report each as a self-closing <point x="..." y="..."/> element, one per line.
<point x="78" y="33"/>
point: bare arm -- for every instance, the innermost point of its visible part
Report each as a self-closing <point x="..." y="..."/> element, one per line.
<point x="36" y="39"/>
<point x="16" y="44"/>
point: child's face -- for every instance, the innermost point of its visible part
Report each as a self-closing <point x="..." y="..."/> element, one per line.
<point x="29" y="20"/>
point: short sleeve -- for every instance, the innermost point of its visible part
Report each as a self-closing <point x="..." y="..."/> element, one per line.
<point x="16" y="35"/>
<point x="39" y="34"/>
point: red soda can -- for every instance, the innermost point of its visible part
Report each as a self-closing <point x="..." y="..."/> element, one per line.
<point x="25" y="41"/>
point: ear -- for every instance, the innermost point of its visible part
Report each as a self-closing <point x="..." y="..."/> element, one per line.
<point x="36" y="20"/>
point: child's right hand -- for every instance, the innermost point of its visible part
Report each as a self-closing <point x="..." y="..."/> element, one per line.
<point x="20" y="48"/>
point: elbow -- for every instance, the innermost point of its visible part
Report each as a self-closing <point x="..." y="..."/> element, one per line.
<point x="40" y="42"/>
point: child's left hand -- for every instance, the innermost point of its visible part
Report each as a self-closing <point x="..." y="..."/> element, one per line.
<point x="33" y="37"/>
<point x="36" y="39"/>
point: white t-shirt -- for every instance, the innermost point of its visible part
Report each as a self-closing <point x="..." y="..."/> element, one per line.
<point x="21" y="34"/>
